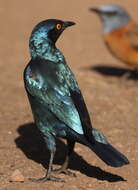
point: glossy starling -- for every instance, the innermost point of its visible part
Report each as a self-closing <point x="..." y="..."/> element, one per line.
<point x="57" y="104"/>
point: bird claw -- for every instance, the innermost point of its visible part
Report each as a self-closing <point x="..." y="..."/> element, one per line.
<point x="44" y="179"/>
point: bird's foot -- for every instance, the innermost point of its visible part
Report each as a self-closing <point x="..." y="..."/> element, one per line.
<point x="44" y="179"/>
<point x="64" y="171"/>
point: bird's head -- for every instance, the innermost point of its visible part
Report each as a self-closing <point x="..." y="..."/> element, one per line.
<point x="45" y="33"/>
<point x="112" y="17"/>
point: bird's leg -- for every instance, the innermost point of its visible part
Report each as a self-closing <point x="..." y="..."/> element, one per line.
<point x="52" y="147"/>
<point x="63" y="169"/>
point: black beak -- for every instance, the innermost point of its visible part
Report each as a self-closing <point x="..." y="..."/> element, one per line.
<point x="96" y="10"/>
<point x="68" y="23"/>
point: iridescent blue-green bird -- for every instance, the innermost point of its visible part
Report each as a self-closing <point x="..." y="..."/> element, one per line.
<point x="57" y="103"/>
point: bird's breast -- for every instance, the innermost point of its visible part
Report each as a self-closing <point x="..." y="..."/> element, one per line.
<point x="119" y="45"/>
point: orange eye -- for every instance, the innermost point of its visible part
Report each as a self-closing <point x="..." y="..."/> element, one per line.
<point x="58" y="26"/>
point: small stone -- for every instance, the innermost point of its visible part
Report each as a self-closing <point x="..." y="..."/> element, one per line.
<point x="9" y="132"/>
<point x="17" y="176"/>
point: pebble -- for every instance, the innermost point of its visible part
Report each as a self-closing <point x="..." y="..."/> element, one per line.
<point x="17" y="176"/>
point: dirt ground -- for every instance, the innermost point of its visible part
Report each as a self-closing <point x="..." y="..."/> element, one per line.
<point x="112" y="101"/>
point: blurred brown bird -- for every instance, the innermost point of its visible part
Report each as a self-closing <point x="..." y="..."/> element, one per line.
<point x="120" y="33"/>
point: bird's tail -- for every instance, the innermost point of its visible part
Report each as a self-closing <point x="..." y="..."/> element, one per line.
<point x="106" y="152"/>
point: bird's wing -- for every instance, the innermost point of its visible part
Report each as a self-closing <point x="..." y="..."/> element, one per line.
<point x="132" y="36"/>
<point x="63" y="100"/>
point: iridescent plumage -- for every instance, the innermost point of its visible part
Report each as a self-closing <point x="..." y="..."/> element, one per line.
<point x="57" y="104"/>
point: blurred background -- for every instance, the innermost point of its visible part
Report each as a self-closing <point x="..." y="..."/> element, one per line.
<point x="113" y="104"/>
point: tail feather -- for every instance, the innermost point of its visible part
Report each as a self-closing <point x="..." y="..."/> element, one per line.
<point x="109" y="154"/>
<point x="105" y="151"/>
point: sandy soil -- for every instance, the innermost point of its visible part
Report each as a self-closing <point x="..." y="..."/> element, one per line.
<point x="112" y="102"/>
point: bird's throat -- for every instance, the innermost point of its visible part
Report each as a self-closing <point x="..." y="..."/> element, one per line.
<point x="46" y="50"/>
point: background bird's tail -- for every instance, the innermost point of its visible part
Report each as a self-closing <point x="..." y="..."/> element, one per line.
<point x="106" y="152"/>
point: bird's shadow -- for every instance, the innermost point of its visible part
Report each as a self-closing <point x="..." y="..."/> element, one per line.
<point x="115" y="71"/>
<point x="31" y="143"/>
